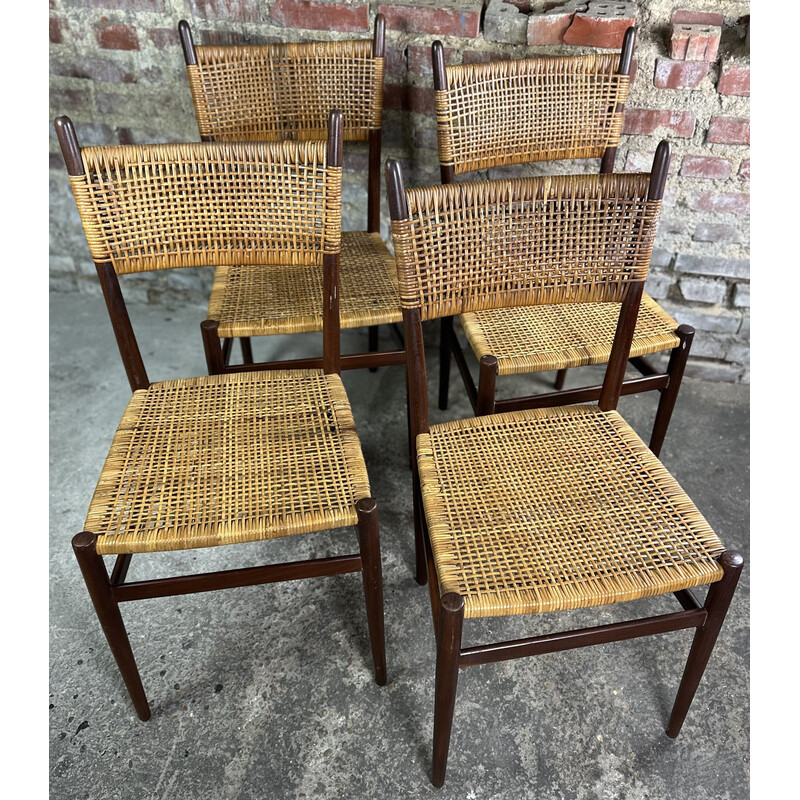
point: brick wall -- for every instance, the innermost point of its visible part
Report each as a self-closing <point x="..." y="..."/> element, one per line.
<point x="116" y="68"/>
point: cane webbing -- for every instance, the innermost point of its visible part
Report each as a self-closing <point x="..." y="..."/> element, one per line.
<point x="229" y="458"/>
<point x="147" y="207"/>
<point x="557" y="508"/>
<point x="259" y="300"/>
<point x="537" y="338"/>
<point x="538" y="109"/>
<point x="286" y="91"/>
<point x="530" y="241"/>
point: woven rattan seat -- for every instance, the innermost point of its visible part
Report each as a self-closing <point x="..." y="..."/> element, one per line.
<point x="537" y="338"/>
<point x="261" y="300"/>
<point x="557" y="508"/>
<point x="168" y="481"/>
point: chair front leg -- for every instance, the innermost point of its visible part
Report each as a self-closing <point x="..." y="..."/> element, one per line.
<point x="448" y="652"/>
<point x="107" y="608"/>
<point x="215" y="360"/>
<point x="487" y="380"/>
<point x="717" y="602"/>
<point x="370" y="549"/>
<point x="247" y="349"/>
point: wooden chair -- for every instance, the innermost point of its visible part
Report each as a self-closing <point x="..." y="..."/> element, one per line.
<point x="224" y="459"/>
<point x="554" y="508"/>
<point x="546" y="109"/>
<point x="277" y="92"/>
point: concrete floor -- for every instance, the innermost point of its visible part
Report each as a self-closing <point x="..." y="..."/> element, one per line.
<point x="267" y="692"/>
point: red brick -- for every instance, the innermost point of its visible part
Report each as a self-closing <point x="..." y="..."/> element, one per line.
<point x="652" y="121"/>
<point x="730" y="203"/>
<point x="734" y="80"/>
<point x="442" y="19"/>
<point x="319" y="16"/>
<point x="127" y="5"/>
<point x="56" y="30"/>
<point x="114" y="36"/>
<point x="163" y="37"/>
<point x="638" y="161"/>
<point x="694" y="42"/>
<point x="744" y="169"/>
<point x="679" y="74"/>
<point x="419" y="60"/>
<point x="239" y="10"/>
<point x="705" y="167"/>
<point x="549" y="28"/>
<point x="697" y="18"/>
<point x="409" y="98"/>
<point x="716" y="232"/>
<point x="729" y="130"/>
<point x="603" y="24"/>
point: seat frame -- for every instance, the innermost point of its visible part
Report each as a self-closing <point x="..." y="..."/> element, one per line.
<point x="448" y="609"/>
<point x="218" y="351"/>
<point x="482" y="396"/>
<point x="107" y="592"/>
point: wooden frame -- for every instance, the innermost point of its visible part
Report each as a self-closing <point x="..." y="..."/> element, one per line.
<point x="107" y="592"/>
<point x="482" y="396"/>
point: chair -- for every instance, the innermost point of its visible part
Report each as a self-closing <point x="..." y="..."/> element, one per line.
<point x="276" y="92"/>
<point x="532" y="110"/>
<point x="225" y="459"/>
<point x="545" y="509"/>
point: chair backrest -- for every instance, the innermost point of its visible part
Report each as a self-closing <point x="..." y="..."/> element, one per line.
<point x="494" y="244"/>
<point x="163" y="206"/>
<point x="534" y="109"/>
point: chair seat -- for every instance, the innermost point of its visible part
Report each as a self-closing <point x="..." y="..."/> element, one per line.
<point x="538" y="338"/>
<point x="229" y="458"/>
<point x="263" y="300"/>
<point x="557" y="508"/>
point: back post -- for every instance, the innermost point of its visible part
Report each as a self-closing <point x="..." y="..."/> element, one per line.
<point x="447" y="171"/>
<point x="374" y="178"/>
<point x="625" y="61"/>
<point x="331" y="346"/>
<point x="109" y="282"/>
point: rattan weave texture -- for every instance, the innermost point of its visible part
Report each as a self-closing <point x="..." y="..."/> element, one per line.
<point x="491" y="244"/>
<point x="537" y="338"/>
<point x="262" y="300"/>
<point x="274" y="92"/>
<point x="148" y="207"/>
<point x="229" y="458"/>
<point x="557" y="508"/>
<point x="537" y="109"/>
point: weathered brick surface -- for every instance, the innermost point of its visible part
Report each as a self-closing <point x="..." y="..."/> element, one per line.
<point x="158" y="6"/>
<point x="741" y="295"/>
<point x="713" y="265"/>
<point x="702" y="290"/>
<point x="705" y="167"/>
<point x="504" y="22"/>
<point x="657" y="285"/>
<point x="679" y="74"/>
<point x="112" y="36"/>
<point x="716" y="232"/>
<point x="603" y="24"/>
<point x="239" y="10"/>
<point x="446" y="18"/>
<point x="744" y="169"/>
<point x="724" y="202"/>
<point x="694" y="42"/>
<point x="56" y="30"/>
<point x="729" y="130"/>
<point x="657" y="121"/>
<point x="320" y="16"/>
<point x="95" y="69"/>
<point x="409" y="98"/>
<point x="550" y="27"/>
<point x="734" y="80"/>
<point x="697" y="18"/>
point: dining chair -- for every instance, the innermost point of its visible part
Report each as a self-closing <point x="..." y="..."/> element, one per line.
<point x="534" y="110"/>
<point x="546" y="509"/>
<point x="284" y="91"/>
<point x="223" y="459"/>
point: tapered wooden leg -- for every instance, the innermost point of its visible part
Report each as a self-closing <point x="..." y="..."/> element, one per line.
<point x="487" y="380"/>
<point x="717" y="602"/>
<point x="215" y="361"/>
<point x="445" y="332"/>
<point x="370" y="548"/>
<point x="677" y="364"/>
<point x="373" y="343"/>
<point x="448" y="651"/>
<point x="247" y="349"/>
<point x="421" y="575"/>
<point x="561" y="376"/>
<point x="107" y="608"/>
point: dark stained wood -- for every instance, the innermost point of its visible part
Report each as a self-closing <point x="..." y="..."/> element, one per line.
<point x="486" y="385"/>
<point x="187" y="43"/>
<point x="384" y="358"/>
<point x="658" y="175"/>
<point x="379" y="37"/>
<point x="561" y="376"/>
<point x="215" y="358"/>
<point x="70" y="149"/>
<point x="626" y="55"/>
<point x="370" y="549"/>
<point x="374" y="183"/>
<point x="445" y="346"/>
<point x="247" y="350"/>
<point x="120" y="571"/>
<point x="687" y="599"/>
<point x="331" y="361"/>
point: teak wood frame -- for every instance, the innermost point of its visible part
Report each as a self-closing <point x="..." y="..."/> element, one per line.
<point x="108" y="592"/>
<point x="482" y="396"/>
<point x="218" y="351"/>
<point x="448" y="610"/>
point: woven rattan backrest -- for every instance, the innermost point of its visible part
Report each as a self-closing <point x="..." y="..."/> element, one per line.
<point x="535" y="109"/>
<point x="148" y="207"/>
<point x="492" y="244"/>
<point x="273" y="92"/>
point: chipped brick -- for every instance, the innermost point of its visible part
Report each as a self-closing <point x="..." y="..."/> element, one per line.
<point x="603" y="24"/>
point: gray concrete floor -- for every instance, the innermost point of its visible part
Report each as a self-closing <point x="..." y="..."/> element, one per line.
<point x="267" y="692"/>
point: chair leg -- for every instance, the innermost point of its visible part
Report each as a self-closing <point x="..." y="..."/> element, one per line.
<point x="677" y="364"/>
<point x="215" y="359"/>
<point x="448" y="651"/>
<point x="421" y="575"/>
<point x="717" y="602"/>
<point x="373" y="343"/>
<point x="370" y="548"/>
<point x="107" y="608"/>
<point x="247" y="349"/>
<point x="561" y="376"/>
<point x="445" y="332"/>
<point x="487" y="379"/>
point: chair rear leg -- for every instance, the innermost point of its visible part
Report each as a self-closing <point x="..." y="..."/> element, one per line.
<point x="421" y="575"/>
<point x="373" y="343"/>
<point x="370" y="548"/>
<point x="717" y="602"/>
<point x="107" y="608"/>
<point x="445" y="332"/>
<point x="448" y="651"/>
<point x="561" y="376"/>
<point x="677" y="364"/>
<point x="247" y="349"/>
